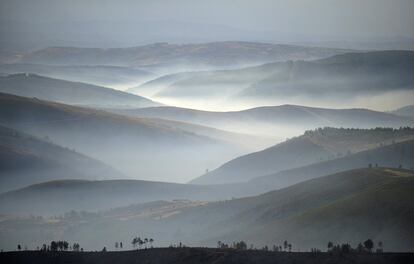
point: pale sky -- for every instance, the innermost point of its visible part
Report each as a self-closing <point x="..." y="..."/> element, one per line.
<point x="122" y="21"/>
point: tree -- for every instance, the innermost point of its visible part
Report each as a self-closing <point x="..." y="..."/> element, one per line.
<point x="134" y="242"/>
<point x="369" y="244"/>
<point x="19" y="247"/>
<point x="285" y="245"/>
<point x="360" y="248"/>
<point x="76" y="247"/>
<point x="379" y="247"/>
<point x="151" y="240"/>
<point x="53" y="246"/>
<point x="116" y="245"/>
<point x="290" y="247"/>
<point x="104" y="249"/>
<point x="330" y="246"/>
<point x="120" y="244"/>
<point x="145" y="242"/>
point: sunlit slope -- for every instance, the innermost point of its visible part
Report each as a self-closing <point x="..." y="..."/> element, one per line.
<point x="26" y="160"/>
<point x="315" y="147"/>
<point x="135" y="146"/>
<point x="30" y="85"/>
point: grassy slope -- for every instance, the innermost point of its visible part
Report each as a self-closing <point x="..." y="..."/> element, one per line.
<point x="310" y="148"/>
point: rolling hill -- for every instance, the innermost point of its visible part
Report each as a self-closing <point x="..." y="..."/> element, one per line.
<point x="44" y="88"/>
<point x="25" y="160"/>
<point x="222" y="54"/>
<point x="125" y="143"/>
<point x="278" y="122"/>
<point x="350" y="207"/>
<point x="341" y="80"/>
<point x="61" y="196"/>
<point x="394" y="155"/>
<point x="317" y="147"/>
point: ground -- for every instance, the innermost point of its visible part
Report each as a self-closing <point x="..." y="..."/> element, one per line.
<point x="200" y="255"/>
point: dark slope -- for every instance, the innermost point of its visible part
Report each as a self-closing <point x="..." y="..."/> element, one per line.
<point x="30" y="85"/>
<point x="25" y="160"/>
<point x="125" y="143"/>
<point x="201" y="256"/>
<point x="228" y="53"/>
<point x="310" y="148"/>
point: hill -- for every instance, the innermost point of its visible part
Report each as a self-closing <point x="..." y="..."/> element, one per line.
<point x="61" y="196"/>
<point x="107" y="76"/>
<point x="405" y="111"/>
<point x="278" y="122"/>
<point x="25" y="159"/>
<point x="314" y="147"/>
<point x="125" y="143"/>
<point x="30" y="85"/>
<point x="351" y="206"/>
<point x="221" y="54"/>
<point x="341" y="80"/>
<point x="394" y="155"/>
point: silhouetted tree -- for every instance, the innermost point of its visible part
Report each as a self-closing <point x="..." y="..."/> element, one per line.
<point x="360" y="248"/>
<point x="285" y="245"/>
<point x="53" y="246"/>
<point x="369" y="244"/>
<point x="290" y="247"/>
<point x="120" y="244"/>
<point x="116" y="245"/>
<point x="104" y="249"/>
<point x="379" y="247"/>
<point x="330" y="246"/>
<point x="19" y="247"/>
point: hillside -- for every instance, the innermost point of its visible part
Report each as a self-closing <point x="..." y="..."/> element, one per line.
<point x="44" y="88"/>
<point x="344" y="80"/>
<point x="25" y="160"/>
<point x="107" y="76"/>
<point x="312" y="148"/>
<point x="393" y="155"/>
<point x="351" y="207"/>
<point x="278" y="122"/>
<point x="221" y="54"/>
<point x="125" y="143"/>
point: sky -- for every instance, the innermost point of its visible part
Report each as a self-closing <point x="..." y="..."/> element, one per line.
<point x="127" y="22"/>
